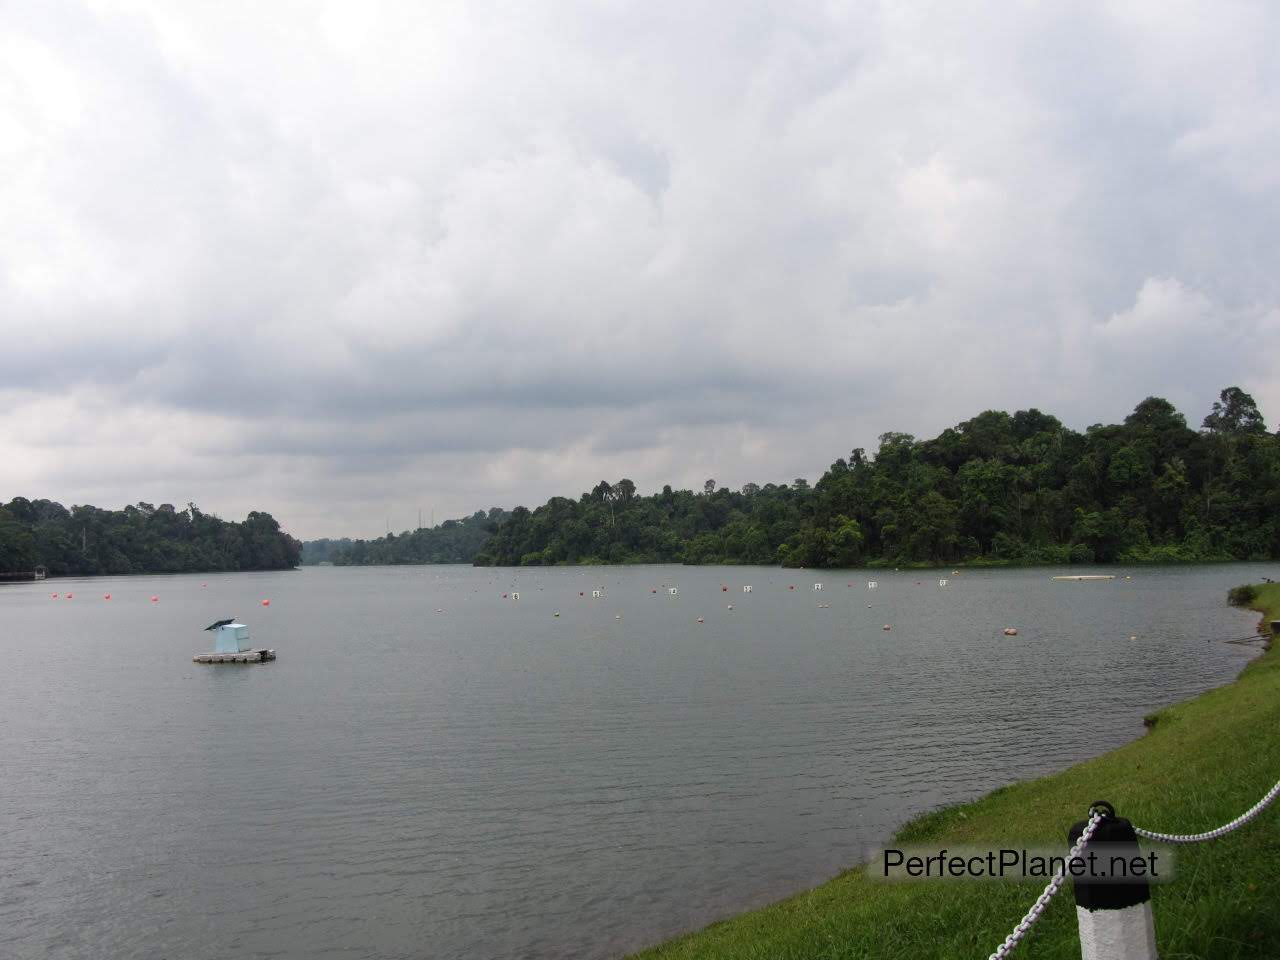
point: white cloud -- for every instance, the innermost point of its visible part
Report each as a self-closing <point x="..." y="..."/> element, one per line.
<point x="342" y="260"/>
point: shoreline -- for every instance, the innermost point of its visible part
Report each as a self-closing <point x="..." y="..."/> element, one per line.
<point x="876" y="565"/>
<point x="1193" y="768"/>
<point x="53" y="577"/>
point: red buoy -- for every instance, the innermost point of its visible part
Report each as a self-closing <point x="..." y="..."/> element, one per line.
<point x="266" y="603"/>
<point x="155" y="599"/>
<point x="106" y="596"/>
<point x="69" y="596"/>
<point x="53" y="596"/>
<point x="792" y="587"/>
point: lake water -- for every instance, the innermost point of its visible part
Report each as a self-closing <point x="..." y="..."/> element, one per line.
<point x="430" y="770"/>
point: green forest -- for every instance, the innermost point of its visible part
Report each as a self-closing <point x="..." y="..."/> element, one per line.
<point x="454" y="541"/>
<point x="1000" y="488"/>
<point x="85" y="540"/>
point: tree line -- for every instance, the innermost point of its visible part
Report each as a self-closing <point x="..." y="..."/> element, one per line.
<point x="141" y="538"/>
<point x="999" y="488"/>
<point x="454" y="541"/>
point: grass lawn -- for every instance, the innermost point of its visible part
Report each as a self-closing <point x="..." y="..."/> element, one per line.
<point x="1203" y="763"/>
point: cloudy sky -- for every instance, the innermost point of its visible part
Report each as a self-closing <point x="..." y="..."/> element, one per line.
<point x="340" y="261"/>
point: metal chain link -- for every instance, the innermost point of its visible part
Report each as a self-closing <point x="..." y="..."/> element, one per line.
<point x="1095" y="818"/>
<point x="1042" y="901"/>
<point x="1223" y="830"/>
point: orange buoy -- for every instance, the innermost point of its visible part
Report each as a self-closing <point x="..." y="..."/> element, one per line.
<point x="655" y="590"/>
<point x="723" y="588"/>
<point x="792" y="587"/>
<point x="204" y="584"/>
<point x="1010" y="631"/>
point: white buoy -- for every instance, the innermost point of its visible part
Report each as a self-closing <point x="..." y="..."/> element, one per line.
<point x="746" y="589"/>
<point x="817" y="586"/>
<point x="673" y="590"/>
<point x="871" y="584"/>
<point x="943" y="583"/>
<point x="597" y="594"/>
<point x="515" y="596"/>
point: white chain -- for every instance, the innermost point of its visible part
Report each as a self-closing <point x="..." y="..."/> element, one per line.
<point x="1042" y="901"/>
<point x="1226" y="828"/>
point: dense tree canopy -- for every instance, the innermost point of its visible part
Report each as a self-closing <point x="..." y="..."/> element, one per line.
<point x="454" y="541"/>
<point x="87" y="540"/>
<point x="1000" y="488"/>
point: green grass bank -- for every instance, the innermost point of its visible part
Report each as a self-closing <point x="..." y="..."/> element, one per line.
<point x="1202" y="763"/>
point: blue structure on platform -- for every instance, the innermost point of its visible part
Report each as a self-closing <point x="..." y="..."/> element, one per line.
<point x="229" y="636"/>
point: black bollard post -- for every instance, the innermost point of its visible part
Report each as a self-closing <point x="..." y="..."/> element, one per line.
<point x="1113" y="916"/>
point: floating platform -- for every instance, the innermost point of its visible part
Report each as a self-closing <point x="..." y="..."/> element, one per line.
<point x="244" y="656"/>
<point x="1089" y="576"/>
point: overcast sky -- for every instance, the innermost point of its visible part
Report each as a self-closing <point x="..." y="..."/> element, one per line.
<point x="342" y="261"/>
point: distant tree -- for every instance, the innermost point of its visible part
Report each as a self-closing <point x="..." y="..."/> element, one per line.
<point x="1234" y="412"/>
<point x="625" y="490"/>
<point x="1156" y="413"/>
<point x="88" y="540"/>
<point x="17" y="546"/>
<point x="461" y="540"/>
<point x="1009" y="488"/>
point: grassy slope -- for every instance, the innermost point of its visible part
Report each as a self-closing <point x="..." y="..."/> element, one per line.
<point x="1205" y="762"/>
